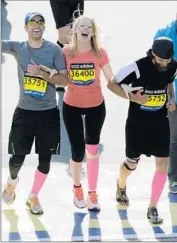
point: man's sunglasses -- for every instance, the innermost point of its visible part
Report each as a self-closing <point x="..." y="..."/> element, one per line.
<point x="35" y="22"/>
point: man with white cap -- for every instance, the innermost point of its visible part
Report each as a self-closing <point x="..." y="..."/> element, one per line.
<point x="36" y="116"/>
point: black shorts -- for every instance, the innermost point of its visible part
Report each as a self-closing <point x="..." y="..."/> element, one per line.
<point x="64" y="11"/>
<point x="43" y="126"/>
<point x="151" y="138"/>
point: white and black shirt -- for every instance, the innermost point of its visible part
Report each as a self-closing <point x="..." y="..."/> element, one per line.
<point x="143" y="73"/>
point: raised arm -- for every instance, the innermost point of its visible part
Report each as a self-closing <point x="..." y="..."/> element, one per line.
<point x="8" y="47"/>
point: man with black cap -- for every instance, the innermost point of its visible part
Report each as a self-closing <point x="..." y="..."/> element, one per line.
<point x="147" y="127"/>
<point x="37" y="115"/>
<point x="171" y="31"/>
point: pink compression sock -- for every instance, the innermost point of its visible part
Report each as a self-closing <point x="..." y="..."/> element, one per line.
<point x="92" y="167"/>
<point x="158" y="184"/>
<point x="39" y="179"/>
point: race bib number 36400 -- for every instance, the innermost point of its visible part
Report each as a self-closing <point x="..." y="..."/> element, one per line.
<point x="35" y="87"/>
<point x="82" y="74"/>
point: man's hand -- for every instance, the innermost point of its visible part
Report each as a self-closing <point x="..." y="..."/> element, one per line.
<point x="134" y="94"/>
<point x="33" y="69"/>
<point x="138" y="98"/>
<point x="52" y="72"/>
<point x="171" y="105"/>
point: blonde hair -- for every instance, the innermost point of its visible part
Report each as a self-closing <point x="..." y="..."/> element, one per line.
<point x="95" y="40"/>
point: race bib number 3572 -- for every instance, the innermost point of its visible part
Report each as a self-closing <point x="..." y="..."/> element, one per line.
<point x="82" y="74"/>
<point x="35" y="87"/>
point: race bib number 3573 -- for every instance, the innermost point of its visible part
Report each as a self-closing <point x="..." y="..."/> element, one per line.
<point x="82" y="74"/>
<point x="35" y="87"/>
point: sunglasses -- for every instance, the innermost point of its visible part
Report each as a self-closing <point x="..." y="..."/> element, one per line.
<point x="35" y="22"/>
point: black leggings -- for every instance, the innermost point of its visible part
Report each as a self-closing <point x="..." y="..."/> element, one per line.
<point x="63" y="11"/>
<point x="94" y="119"/>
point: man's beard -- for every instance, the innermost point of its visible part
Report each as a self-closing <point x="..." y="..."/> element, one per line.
<point x="161" y="68"/>
<point x="36" y="37"/>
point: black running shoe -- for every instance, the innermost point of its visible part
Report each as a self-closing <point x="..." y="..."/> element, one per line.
<point x="121" y="196"/>
<point x="153" y="216"/>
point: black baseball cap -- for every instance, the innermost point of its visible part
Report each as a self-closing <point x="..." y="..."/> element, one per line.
<point x="163" y="47"/>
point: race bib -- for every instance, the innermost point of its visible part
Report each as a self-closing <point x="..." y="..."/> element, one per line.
<point x="82" y="74"/>
<point x="156" y="100"/>
<point x="35" y="87"/>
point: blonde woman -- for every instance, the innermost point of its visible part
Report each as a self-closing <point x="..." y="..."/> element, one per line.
<point x="85" y="59"/>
